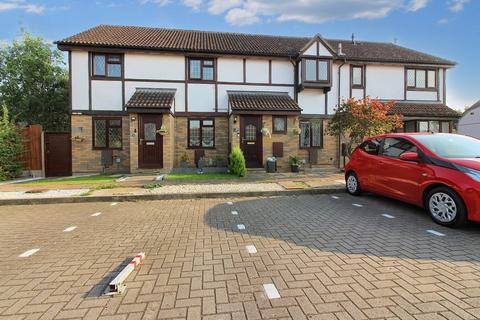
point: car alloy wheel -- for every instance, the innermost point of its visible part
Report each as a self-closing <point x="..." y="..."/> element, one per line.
<point x="443" y="207"/>
<point x="352" y="184"/>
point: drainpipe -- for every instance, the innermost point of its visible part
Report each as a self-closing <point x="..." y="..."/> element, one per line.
<point x="338" y="104"/>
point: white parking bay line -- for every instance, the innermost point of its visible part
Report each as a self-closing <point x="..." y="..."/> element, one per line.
<point x="241" y="226"/>
<point x="114" y="203"/>
<point x="69" y="229"/>
<point x="96" y="214"/>
<point x="436" y="233"/>
<point x="235" y="213"/>
<point x="388" y="216"/>
<point x="335" y="197"/>
<point x="251" y="249"/>
<point x="28" y="253"/>
<point x="230" y="203"/>
<point x="357" y="205"/>
<point x="271" y="291"/>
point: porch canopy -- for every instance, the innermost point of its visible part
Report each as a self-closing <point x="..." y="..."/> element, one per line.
<point x="422" y="110"/>
<point x="151" y="100"/>
<point x="262" y="102"/>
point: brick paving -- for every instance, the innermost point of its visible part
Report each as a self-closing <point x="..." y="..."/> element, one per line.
<point x="327" y="258"/>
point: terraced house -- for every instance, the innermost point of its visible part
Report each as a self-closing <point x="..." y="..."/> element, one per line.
<point x="142" y="97"/>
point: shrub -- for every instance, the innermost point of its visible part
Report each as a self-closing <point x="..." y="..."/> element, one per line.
<point x="11" y="148"/>
<point x="237" y="162"/>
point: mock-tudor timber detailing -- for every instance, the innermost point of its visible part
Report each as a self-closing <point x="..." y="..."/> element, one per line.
<point x="143" y="98"/>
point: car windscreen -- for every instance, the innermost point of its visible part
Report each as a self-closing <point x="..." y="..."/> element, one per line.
<point x="451" y="145"/>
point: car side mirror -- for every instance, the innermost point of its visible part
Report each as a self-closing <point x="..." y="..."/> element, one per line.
<point x="410" y="156"/>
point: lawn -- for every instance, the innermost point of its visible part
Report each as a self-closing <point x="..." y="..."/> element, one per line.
<point x="200" y="177"/>
<point x="96" y="179"/>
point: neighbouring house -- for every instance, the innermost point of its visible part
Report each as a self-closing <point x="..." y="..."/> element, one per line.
<point x="469" y="123"/>
<point x="142" y="97"/>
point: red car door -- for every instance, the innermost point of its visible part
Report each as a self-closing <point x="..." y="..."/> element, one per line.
<point x="398" y="178"/>
<point x="365" y="162"/>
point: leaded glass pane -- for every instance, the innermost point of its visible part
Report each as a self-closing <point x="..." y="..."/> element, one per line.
<point x="207" y="73"/>
<point x="310" y="72"/>
<point x="322" y="70"/>
<point x="423" y="126"/>
<point x="208" y="122"/>
<point x="305" y="135"/>
<point x="115" y="123"/>
<point x="421" y="77"/>
<point x="115" y="137"/>
<point x="114" y="70"/>
<point x="114" y="59"/>
<point x="445" y="126"/>
<point x="357" y="76"/>
<point x="411" y="78"/>
<point x="150" y="131"/>
<point x="195" y="69"/>
<point x="100" y="134"/>
<point x="250" y="132"/>
<point x="316" y="128"/>
<point x="434" y="126"/>
<point x="208" y="63"/>
<point x="98" y="65"/>
<point x="431" y="78"/>
<point x="207" y="137"/>
<point x="279" y="124"/>
<point x="194" y="133"/>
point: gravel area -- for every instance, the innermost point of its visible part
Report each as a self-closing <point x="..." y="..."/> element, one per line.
<point x="47" y="194"/>
<point x="226" y="188"/>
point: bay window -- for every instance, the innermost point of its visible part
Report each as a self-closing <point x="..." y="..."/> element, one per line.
<point x="316" y="70"/>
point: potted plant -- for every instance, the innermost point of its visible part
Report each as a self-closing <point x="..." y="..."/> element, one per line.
<point x="78" y="138"/>
<point x="265" y="132"/>
<point x="184" y="160"/>
<point x="295" y="163"/>
<point x="220" y="161"/>
<point x="163" y="130"/>
<point x="297" y="131"/>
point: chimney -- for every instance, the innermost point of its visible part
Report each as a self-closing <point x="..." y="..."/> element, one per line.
<point x="353" y="38"/>
<point x="339" y="50"/>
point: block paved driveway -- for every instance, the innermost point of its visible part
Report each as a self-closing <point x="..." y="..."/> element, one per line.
<point x="328" y="259"/>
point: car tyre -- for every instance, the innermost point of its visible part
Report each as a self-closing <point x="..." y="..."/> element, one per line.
<point x="446" y="207"/>
<point x="353" y="184"/>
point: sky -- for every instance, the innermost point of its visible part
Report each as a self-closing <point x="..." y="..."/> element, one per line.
<point x="446" y="28"/>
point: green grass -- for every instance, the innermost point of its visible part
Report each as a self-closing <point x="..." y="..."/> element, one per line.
<point x="96" y="179"/>
<point x="151" y="186"/>
<point x="200" y="177"/>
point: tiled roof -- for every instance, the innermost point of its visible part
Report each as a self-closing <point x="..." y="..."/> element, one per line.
<point x="194" y="41"/>
<point x="147" y="98"/>
<point x="262" y="101"/>
<point x="423" y="110"/>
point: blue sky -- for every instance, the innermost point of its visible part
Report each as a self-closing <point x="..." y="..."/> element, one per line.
<point x="447" y="28"/>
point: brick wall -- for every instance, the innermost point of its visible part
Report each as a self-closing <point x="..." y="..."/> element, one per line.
<point x="87" y="160"/>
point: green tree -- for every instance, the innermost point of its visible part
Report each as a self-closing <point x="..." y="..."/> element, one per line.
<point x="34" y="83"/>
<point x="11" y="147"/>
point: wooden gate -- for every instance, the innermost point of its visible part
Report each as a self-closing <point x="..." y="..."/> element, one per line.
<point x="58" y="154"/>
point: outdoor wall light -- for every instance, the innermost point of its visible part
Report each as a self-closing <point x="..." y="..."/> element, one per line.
<point x="235" y="119"/>
<point x="133" y="118"/>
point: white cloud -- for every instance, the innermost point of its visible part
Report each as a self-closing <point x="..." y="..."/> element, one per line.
<point x="194" y="4"/>
<point x="220" y="6"/>
<point x="416" y="5"/>
<point x="241" y="17"/>
<point x="458" y="5"/>
<point x="9" y="5"/>
<point x="159" y="3"/>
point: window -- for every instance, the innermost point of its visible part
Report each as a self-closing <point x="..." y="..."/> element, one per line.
<point x="370" y="146"/>
<point x="107" y="65"/>
<point x="201" y="69"/>
<point x="311" y="135"/>
<point x="357" y="77"/>
<point x="394" y="147"/>
<point x="316" y="70"/>
<point x="279" y="124"/>
<point x="434" y="126"/>
<point x="421" y="79"/>
<point x="201" y="133"/>
<point x="107" y="133"/>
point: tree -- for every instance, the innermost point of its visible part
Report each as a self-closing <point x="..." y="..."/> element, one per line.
<point x="11" y="147"/>
<point x="357" y="119"/>
<point x="34" y="83"/>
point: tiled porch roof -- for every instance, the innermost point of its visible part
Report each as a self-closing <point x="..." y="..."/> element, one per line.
<point x="152" y="98"/>
<point x="423" y="110"/>
<point x="262" y="101"/>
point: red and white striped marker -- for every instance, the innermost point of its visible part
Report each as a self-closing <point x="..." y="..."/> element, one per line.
<point x="116" y="286"/>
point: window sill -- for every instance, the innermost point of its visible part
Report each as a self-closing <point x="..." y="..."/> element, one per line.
<point x="422" y="89"/>
<point x="106" y="78"/>
<point x="100" y="149"/>
<point x="358" y="87"/>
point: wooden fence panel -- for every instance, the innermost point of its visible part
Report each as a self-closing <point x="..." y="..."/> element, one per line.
<point x="32" y="145"/>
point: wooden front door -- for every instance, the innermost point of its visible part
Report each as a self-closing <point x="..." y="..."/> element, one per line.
<point x="251" y="140"/>
<point x="150" y="142"/>
<point x="58" y="154"/>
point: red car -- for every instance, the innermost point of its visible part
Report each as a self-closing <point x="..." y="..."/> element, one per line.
<point x="440" y="172"/>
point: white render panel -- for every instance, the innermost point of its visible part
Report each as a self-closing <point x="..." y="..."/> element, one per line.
<point x="333" y="93"/>
<point x="223" y="97"/>
<point x="154" y="66"/>
<point x="107" y="95"/>
<point x="130" y="87"/>
<point x="257" y="71"/>
<point x="385" y="82"/>
<point x="357" y="93"/>
<point x="230" y="70"/>
<point x="201" y="97"/>
<point x="422" y="95"/>
<point x="472" y="130"/>
<point x="282" y="72"/>
<point x="323" y="51"/>
<point x="440" y="83"/>
<point x="471" y="117"/>
<point x="312" y="101"/>
<point x="80" y="78"/>
<point x="344" y="82"/>
<point x="312" y="50"/>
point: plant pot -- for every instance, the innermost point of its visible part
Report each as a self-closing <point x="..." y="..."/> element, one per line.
<point x="221" y="163"/>
<point x="295" y="168"/>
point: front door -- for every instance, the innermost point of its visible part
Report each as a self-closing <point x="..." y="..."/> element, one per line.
<point x="150" y="142"/>
<point x="58" y="154"/>
<point x="251" y="140"/>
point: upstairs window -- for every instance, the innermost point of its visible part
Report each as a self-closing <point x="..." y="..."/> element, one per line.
<point x="201" y="69"/>
<point x="316" y="70"/>
<point x="357" y="77"/>
<point x="107" y="65"/>
<point x="421" y="79"/>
